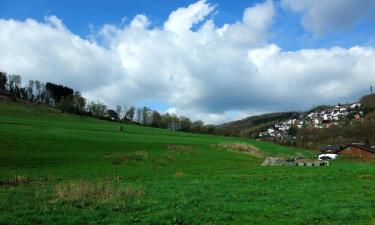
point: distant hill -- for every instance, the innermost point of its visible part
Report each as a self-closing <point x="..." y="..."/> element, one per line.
<point x="340" y="124"/>
<point x="234" y="128"/>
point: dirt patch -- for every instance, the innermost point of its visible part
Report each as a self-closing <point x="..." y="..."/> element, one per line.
<point x="138" y="155"/>
<point x="178" y="148"/>
<point x="366" y="176"/>
<point x="92" y="193"/>
<point x="118" y="159"/>
<point x="245" y="148"/>
<point x="161" y="161"/>
<point x="179" y="173"/>
<point x="16" y="180"/>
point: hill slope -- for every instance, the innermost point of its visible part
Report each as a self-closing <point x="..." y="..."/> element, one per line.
<point x="63" y="169"/>
<point x="254" y="122"/>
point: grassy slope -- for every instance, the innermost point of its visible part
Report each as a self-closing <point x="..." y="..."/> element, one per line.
<point x="69" y="160"/>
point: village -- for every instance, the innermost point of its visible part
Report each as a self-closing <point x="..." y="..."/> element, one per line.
<point x="321" y="117"/>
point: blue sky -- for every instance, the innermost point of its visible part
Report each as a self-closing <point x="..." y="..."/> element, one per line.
<point x="77" y="15"/>
<point x="286" y="30"/>
<point x="211" y="60"/>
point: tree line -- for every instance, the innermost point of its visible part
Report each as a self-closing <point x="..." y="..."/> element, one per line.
<point x="71" y="101"/>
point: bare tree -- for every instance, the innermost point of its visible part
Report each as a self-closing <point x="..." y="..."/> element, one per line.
<point x="14" y="84"/>
<point x="146" y="115"/>
<point x="174" y="122"/>
<point x="197" y="126"/>
<point x="3" y="82"/>
<point x="30" y="91"/>
<point x="38" y="90"/>
<point x="138" y="116"/>
<point x="185" y="123"/>
<point x="130" y="113"/>
<point x="119" y="111"/>
<point x="79" y="102"/>
<point x="97" y="109"/>
<point x="66" y="103"/>
<point x="156" y="119"/>
<point x="166" y="121"/>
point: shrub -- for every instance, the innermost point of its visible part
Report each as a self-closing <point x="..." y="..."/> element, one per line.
<point x="93" y="193"/>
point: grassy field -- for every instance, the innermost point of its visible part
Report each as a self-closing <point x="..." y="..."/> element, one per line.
<point x="62" y="169"/>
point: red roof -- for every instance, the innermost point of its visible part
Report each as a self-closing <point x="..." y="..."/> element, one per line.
<point x="360" y="146"/>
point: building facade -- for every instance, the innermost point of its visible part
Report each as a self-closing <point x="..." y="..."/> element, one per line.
<point x="358" y="150"/>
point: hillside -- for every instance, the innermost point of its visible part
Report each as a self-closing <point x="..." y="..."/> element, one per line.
<point x="259" y="122"/>
<point x="57" y="168"/>
<point x="340" y="124"/>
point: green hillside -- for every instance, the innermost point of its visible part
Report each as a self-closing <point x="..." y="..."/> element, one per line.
<point x="61" y="169"/>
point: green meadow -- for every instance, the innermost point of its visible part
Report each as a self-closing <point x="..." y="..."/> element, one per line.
<point x="57" y="168"/>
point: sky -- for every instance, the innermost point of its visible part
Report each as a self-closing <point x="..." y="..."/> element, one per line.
<point x="214" y="61"/>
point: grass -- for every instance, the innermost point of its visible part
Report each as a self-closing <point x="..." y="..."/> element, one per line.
<point x="62" y="169"/>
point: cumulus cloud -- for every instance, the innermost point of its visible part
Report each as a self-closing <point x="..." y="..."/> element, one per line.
<point x="198" y="69"/>
<point x="49" y="51"/>
<point x="321" y="17"/>
<point x="183" y="19"/>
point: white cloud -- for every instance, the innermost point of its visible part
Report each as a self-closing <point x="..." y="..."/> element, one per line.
<point x="259" y="17"/>
<point x="50" y="52"/>
<point x="140" y="21"/>
<point x="325" y="16"/>
<point x="253" y="27"/>
<point x="207" y="72"/>
<point x="183" y="19"/>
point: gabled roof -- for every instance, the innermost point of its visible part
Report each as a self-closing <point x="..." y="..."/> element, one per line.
<point x="332" y="148"/>
<point x="362" y="146"/>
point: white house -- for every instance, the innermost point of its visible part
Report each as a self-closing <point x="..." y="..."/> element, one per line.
<point x="327" y="156"/>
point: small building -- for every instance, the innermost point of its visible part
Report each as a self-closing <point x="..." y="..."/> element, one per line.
<point x="325" y="149"/>
<point x="359" y="150"/>
<point x="328" y="152"/>
<point x="355" y="106"/>
<point x="111" y="114"/>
